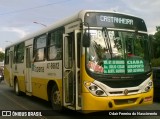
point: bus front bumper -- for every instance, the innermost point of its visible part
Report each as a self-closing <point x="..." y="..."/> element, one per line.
<point x="92" y="103"/>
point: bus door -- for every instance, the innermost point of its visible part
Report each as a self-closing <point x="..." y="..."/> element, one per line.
<point x="71" y="71"/>
<point x="10" y="68"/>
<point x="28" y="82"/>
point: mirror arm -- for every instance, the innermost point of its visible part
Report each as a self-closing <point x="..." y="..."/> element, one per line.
<point x="86" y="36"/>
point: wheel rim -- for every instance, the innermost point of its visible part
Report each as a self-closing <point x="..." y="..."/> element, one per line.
<point x="16" y="88"/>
<point x="56" y="100"/>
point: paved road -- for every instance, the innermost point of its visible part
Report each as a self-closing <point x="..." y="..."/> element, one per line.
<point x="9" y="101"/>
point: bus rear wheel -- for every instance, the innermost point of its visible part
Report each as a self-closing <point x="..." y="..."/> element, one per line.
<point x="16" y="88"/>
<point x="56" y="99"/>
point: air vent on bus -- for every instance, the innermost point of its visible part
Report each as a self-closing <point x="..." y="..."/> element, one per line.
<point x="121" y="92"/>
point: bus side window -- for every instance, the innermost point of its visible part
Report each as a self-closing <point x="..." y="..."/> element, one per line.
<point x="40" y="48"/>
<point x="54" y="45"/>
<point x="68" y="52"/>
<point x="19" y="53"/>
<point x="6" y="56"/>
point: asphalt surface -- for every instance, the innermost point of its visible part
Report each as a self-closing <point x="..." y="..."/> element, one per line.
<point x="26" y="104"/>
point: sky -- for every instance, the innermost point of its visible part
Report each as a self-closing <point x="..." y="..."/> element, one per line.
<point x="18" y="17"/>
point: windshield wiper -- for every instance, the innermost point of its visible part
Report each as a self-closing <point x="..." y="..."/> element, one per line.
<point x="107" y="40"/>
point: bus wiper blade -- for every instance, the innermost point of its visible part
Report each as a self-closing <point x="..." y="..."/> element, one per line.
<point x="107" y="40"/>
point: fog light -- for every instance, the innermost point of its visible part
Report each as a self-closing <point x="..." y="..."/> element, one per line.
<point x="110" y="105"/>
<point x="99" y="92"/>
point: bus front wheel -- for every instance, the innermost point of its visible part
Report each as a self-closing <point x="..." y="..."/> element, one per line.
<point x="56" y="99"/>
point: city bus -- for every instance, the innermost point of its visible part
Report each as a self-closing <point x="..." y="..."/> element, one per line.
<point x="92" y="61"/>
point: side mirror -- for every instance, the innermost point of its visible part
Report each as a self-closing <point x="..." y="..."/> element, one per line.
<point x="86" y="39"/>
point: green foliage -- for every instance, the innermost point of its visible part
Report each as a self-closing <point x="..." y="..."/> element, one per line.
<point x="155" y="48"/>
<point x="155" y="43"/>
<point x="155" y="62"/>
<point x="158" y="28"/>
<point x="1" y="56"/>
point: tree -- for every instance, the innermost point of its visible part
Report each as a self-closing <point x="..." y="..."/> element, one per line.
<point x="152" y="49"/>
<point x="155" y="49"/>
<point x="156" y="42"/>
<point x="1" y="56"/>
<point x="157" y="28"/>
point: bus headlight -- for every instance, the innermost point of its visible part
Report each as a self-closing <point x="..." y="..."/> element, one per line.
<point x="99" y="92"/>
<point x="150" y="83"/>
<point x="148" y="86"/>
<point x="94" y="89"/>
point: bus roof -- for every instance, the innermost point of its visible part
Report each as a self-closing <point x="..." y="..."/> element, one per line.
<point x="65" y="21"/>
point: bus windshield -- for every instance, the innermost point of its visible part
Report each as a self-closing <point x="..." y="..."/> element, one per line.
<point x="118" y="52"/>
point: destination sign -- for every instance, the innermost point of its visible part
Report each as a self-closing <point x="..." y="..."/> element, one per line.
<point x="134" y="66"/>
<point x="114" y="66"/>
<point x="118" y="66"/>
<point x="115" y="20"/>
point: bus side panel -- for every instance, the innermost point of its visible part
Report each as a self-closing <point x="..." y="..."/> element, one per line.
<point x="39" y="87"/>
<point x="19" y="73"/>
<point x="42" y="73"/>
<point x="7" y="75"/>
<point x="21" y="82"/>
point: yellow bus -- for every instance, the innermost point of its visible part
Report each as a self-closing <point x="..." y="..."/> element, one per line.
<point x="92" y="61"/>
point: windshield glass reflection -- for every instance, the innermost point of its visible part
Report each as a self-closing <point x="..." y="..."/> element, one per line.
<point x="118" y="52"/>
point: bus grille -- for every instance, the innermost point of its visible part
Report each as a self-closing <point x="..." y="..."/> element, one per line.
<point x="121" y="92"/>
<point x="124" y="101"/>
<point x="123" y="83"/>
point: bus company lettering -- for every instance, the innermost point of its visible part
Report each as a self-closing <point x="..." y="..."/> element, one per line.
<point x="38" y="69"/>
<point x="114" y="62"/>
<point x="117" y="20"/>
<point x="134" y="62"/>
<point x="53" y="65"/>
<point x="134" y="66"/>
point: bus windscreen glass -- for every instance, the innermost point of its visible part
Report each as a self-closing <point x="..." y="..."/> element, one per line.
<point x="118" y="52"/>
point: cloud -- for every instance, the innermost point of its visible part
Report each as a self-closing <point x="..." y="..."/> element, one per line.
<point x="1" y="49"/>
<point x="21" y="33"/>
<point x="145" y="5"/>
<point x="146" y="9"/>
<point x="22" y="22"/>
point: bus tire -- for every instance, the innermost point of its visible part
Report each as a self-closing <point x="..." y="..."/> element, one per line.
<point x="56" y="99"/>
<point x="16" y="88"/>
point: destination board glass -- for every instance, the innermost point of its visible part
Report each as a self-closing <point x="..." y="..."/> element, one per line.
<point x="118" y="66"/>
<point x="114" y="20"/>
